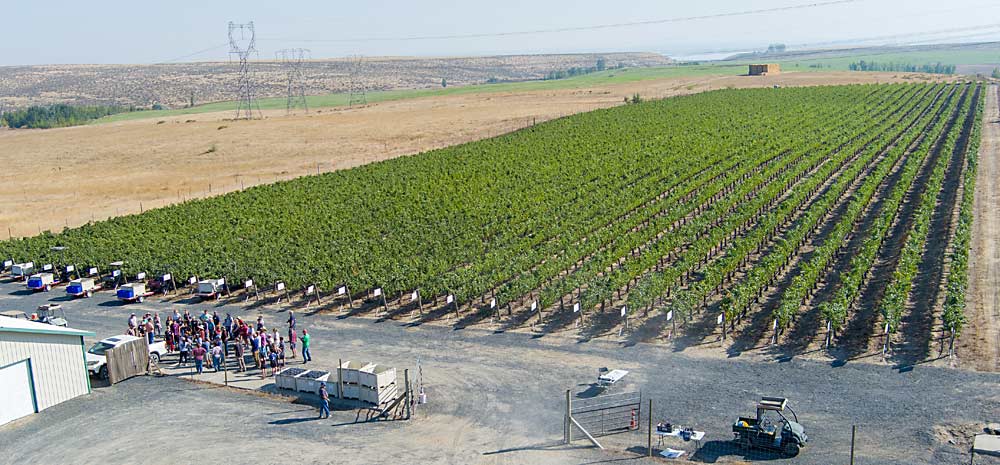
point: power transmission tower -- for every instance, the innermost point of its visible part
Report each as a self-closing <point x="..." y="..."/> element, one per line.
<point x="242" y="43"/>
<point x="292" y="60"/>
<point x="357" y="82"/>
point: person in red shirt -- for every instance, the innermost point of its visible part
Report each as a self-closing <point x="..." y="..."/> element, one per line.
<point x="199" y="357"/>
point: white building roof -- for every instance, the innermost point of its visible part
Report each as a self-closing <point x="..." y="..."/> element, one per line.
<point x="17" y="325"/>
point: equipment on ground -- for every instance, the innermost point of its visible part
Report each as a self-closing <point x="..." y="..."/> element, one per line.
<point x="21" y="271"/>
<point x="42" y="282"/>
<point x="133" y="292"/>
<point x="97" y="361"/>
<point x="771" y="430"/>
<point x="52" y="314"/>
<point x="83" y="287"/>
<point x="210" y="288"/>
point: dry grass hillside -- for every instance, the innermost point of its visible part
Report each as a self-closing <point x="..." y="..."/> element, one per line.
<point x="173" y="85"/>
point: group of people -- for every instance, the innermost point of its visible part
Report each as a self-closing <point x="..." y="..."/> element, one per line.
<point x="211" y="338"/>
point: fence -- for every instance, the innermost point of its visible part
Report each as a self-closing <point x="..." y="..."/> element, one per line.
<point x="127" y="360"/>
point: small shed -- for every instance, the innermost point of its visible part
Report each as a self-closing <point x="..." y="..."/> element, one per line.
<point x="41" y="365"/>
<point x="765" y="69"/>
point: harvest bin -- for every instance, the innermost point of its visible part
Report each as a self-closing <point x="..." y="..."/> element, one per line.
<point x="309" y="381"/>
<point x="349" y="371"/>
<point x="131" y="291"/>
<point x="377" y="376"/>
<point x="80" y="286"/>
<point x="285" y="379"/>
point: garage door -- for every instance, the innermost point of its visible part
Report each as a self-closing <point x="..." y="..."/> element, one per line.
<point x="15" y="384"/>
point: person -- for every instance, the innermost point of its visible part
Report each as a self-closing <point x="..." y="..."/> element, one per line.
<point x="133" y="322"/>
<point x="324" y="396"/>
<point x="156" y="323"/>
<point x="291" y="341"/>
<point x="204" y="316"/>
<point x="273" y="355"/>
<point x="199" y="357"/>
<point x="239" y="357"/>
<point x="149" y="330"/>
<point x="291" y="321"/>
<point x="217" y="356"/>
<point x="306" y="355"/>
<point x="281" y="352"/>
<point x="185" y="348"/>
<point x="255" y="347"/>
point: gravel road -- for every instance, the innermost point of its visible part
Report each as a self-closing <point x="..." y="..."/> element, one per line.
<point x="495" y="398"/>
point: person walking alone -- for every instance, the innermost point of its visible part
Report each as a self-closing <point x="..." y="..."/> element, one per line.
<point x="324" y="399"/>
<point x="306" y="355"/>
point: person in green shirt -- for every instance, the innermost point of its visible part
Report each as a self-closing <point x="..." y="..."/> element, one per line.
<point x="306" y="356"/>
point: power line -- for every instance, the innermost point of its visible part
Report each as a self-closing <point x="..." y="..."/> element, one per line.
<point x="574" y="28"/>
<point x="291" y="59"/>
<point x="199" y="52"/>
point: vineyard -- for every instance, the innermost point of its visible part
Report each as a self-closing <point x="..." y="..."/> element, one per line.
<point x="777" y="212"/>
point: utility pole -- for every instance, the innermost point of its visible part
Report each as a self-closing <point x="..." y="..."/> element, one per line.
<point x="292" y="60"/>
<point x="358" y="94"/>
<point x="242" y="43"/>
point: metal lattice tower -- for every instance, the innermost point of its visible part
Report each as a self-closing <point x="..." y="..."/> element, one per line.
<point x="357" y="82"/>
<point x="242" y="43"/>
<point x="292" y="60"/>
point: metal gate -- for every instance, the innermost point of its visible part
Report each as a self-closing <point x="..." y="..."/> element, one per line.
<point x="603" y="415"/>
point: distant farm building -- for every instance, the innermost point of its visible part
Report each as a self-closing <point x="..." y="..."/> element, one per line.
<point x="765" y="69"/>
<point x="40" y="366"/>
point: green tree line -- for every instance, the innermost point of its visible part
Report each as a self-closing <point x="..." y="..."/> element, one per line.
<point x="933" y="68"/>
<point x="56" y="116"/>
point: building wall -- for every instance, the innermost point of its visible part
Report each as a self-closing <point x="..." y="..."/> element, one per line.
<point x="57" y="364"/>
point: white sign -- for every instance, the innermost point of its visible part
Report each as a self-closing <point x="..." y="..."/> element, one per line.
<point x="534" y="305"/>
<point x="280" y="286"/>
<point x="7" y="263"/>
<point x="116" y="273"/>
<point x="141" y="275"/>
<point x="70" y="268"/>
<point x="378" y="292"/>
<point x="670" y="315"/>
<point x="92" y="271"/>
<point x="450" y="298"/>
<point x="623" y="311"/>
<point x="193" y="280"/>
<point x="576" y="307"/>
<point x="718" y="320"/>
<point x="342" y="290"/>
<point x="222" y="281"/>
<point x="47" y="267"/>
<point x="774" y="325"/>
<point x="310" y="290"/>
<point x="248" y="284"/>
<point x="167" y="277"/>
<point x="493" y="303"/>
<point x="414" y="295"/>
<point x="887" y="327"/>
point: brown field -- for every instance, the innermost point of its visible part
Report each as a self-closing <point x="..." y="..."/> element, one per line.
<point x="67" y="177"/>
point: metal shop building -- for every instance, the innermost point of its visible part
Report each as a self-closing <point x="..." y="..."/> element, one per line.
<point x="41" y="365"/>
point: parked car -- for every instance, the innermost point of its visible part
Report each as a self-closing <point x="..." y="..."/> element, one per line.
<point x="97" y="363"/>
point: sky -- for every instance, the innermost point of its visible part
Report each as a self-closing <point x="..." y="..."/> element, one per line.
<point x="129" y="31"/>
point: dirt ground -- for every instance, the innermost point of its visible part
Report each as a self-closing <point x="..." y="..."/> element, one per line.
<point x="981" y="336"/>
<point x="493" y="398"/>
<point x="66" y="177"/>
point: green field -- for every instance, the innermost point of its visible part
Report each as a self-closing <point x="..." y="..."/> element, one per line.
<point x="680" y="204"/>
<point x="839" y="61"/>
<point x="617" y="76"/>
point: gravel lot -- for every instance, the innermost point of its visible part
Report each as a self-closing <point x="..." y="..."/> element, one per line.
<point x="496" y="398"/>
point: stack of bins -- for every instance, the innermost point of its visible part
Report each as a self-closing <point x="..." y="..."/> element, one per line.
<point x="349" y="372"/>
<point x="310" y="381"/>
<point x="378" y="384"/>
<point x="285" y="379"/>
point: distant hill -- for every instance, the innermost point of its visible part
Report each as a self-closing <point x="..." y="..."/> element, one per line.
<point x="970" y="58"/>
<point x="173" y="85"/>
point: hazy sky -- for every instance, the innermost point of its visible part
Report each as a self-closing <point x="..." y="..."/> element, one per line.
<point x="130" y="31"/>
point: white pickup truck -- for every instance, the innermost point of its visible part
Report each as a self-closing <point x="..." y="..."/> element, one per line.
<point x="97" y="363"/>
